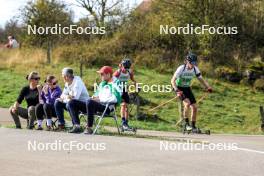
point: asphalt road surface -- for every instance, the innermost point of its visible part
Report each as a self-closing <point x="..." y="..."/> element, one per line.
<point x="25" y="152"/>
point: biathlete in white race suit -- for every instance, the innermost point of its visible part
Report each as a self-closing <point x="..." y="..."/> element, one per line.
<point x="181" y="82"/>
<point x="124" y="74"/>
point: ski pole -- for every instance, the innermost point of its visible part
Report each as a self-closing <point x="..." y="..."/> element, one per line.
<point x="163" y="104"/>
<point x="200" y="99"/>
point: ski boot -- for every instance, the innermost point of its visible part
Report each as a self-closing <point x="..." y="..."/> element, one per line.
<point x="126" y="128"/>
<point x="187" y="128"/>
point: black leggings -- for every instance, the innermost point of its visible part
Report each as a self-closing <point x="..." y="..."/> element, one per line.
<point x="93" y="107"/>
<point x="45" y="110"/>
<point x="187" y="92"/>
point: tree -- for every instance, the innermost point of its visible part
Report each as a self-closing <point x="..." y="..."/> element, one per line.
<point x="100" y="10"/>
<point x="45" y="13"/>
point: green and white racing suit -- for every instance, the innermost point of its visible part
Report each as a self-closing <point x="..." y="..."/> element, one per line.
<point x="184" y="78"/>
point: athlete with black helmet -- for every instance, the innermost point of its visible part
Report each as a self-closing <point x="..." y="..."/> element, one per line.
<point x="181" y="82"/>
<point x="124" y="74"/>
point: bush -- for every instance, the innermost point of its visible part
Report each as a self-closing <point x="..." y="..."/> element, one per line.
<point x="206" y="68"/>
<point x="246" y="82"/>
<point x="255" y="71"/>
<point x="222" y="71"/>
<point x="229" y="74"/>
<point x="259" y="84"/>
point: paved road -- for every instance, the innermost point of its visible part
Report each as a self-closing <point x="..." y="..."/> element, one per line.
<point x="127" y="156"/>
<point x="6" y="119"/>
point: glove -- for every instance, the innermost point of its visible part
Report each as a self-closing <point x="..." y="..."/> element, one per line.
<point x="179" y="94"/>
<point x="209" y="89"/>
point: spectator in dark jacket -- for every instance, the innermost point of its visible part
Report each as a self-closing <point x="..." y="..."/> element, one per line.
<point x="31" y="94"/>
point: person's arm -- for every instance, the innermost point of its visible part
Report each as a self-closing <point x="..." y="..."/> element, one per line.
<point x="202" y="80"/>
<point x="77" y="89"/>
<point x="117" y="92"/>
<point x="132" y="77"/>
<point x="204" y="83"/>
<point x="55" y="95"/>
<point x="39" y="87"/>
<point x="95" y="96"/>
<point x="176" y="75"/>
<point x="20" y="98"/>
<point x="43" y="96"/>
<point x="115" y="95"/>
<point x="116" y="74"/>
<point x="173" y="82"/>
<point x="64" y="95"/>
<point x="16" y="105"/>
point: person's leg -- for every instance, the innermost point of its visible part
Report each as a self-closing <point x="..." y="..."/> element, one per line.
<point x="193" y="108"/>
<point x="40" y="115"/>
<point x="31" y="116"/>
<point x="22" y="112"/>
<point x="49" y="111"/>
<point x="186" y="104"/>
<point x="59" y="109"/>
<point x="123" y="112"/>
<point x="75" y="107"/>
<point x="124" y="108"/>
<point x="92" y="107"/>
<point x="193" y="115"/>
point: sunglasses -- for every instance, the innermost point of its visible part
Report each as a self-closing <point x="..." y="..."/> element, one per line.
<point x="36" y="79"/>
<point x="53" y="83"/>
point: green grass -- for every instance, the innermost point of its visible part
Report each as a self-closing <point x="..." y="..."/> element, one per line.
<point x="232" y="108"/>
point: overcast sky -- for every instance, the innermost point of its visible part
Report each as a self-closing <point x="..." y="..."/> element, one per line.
<point x="10" y="8"/>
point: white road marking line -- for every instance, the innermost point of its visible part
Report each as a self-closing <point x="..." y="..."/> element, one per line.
<point x="250" y="150"/>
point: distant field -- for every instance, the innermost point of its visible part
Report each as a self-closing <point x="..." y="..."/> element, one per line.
<point x="231" y="108"/>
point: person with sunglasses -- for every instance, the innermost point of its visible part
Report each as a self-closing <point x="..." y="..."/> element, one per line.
<point x="31" y="94"/>
<point x="181" y="82"/>
<point x="50" y="92"/>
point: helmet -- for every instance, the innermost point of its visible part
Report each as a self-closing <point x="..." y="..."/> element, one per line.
<point x="192" y="58"/>
<point x="126" y="63"/>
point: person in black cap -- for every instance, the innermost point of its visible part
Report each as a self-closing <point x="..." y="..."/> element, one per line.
<point x="181" y="82"/>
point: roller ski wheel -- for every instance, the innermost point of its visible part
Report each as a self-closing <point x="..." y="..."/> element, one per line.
<point x="207" y="132"/>
<point x="128" y="129"/>
<point x="187" y="129"/>
<point x="196" y="131"/>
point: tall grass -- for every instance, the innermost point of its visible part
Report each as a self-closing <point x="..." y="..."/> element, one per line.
<point x="28" y="57"/>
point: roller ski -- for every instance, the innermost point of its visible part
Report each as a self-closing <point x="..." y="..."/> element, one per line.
<point x="127" y="128"/>
<point x="187" y="129"/>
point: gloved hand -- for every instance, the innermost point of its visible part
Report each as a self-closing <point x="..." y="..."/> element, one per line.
<point x="209" y="89"/>
<point x="179" y="93"/>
